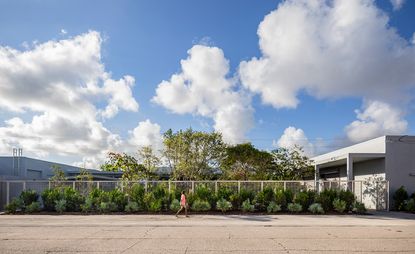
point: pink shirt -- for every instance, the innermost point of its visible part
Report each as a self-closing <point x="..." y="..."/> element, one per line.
<point x="183" y="200"/>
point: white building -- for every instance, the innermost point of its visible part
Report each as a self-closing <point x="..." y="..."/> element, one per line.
<point x="391" y="158"/>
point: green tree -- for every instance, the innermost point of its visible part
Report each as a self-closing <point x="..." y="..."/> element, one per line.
<point x="84" y="175"/>
<point x="149" y="160"/>
<point x="291" y="164"/>
<point x="58" y="177"/>
<point x="125" y="163"/>
<point x="193" y="155"/>
<point x="245" y="162"/>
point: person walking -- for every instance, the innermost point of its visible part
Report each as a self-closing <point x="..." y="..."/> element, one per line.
<point x="183" y="204"/>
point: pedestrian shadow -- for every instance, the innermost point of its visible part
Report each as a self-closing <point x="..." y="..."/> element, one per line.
<point x="260" y="218"/>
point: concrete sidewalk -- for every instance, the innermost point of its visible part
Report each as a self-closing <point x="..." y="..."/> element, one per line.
<point x="382" y="232"/>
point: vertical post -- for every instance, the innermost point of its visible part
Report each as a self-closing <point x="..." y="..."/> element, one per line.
<point x="239" y="187"/>
<point x="7" y="192"/>
<point x="122" y="186"/>
<point x="169" y="186"/>
<point x="98" y="185"/>
<point x="387" y="189"/>
<point x="193" y="186"/>
<point x="216" y="187"/>
<point x="24" y="185"/>
<point x="361" y="191"/>
<point x="262" y="185"/>
<point x="145" y="186"/>
<point x="73" y="185"/>
<point x="350" y="176"/>
<point x="317" y="178"/>
<point x="285" y="185"/>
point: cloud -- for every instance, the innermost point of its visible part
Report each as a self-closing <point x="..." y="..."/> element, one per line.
<point x="56" y="83"/>
<point x="202" y="88"/>
<point x="146" y="134"/>
<point x="397" y="4"/>
<point x="63" y="31"/>
<point x="376" y="119"/>
<point x="329" y="49"/>
<point x="295" y="137"/>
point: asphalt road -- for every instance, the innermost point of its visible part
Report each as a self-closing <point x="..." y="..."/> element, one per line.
<point x="380" y="233"/>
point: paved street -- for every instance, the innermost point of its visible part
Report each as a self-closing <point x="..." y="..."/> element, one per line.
<point x="383" y="233"/>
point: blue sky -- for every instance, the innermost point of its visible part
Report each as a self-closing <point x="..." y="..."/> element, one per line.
<point x="148" y="39"/>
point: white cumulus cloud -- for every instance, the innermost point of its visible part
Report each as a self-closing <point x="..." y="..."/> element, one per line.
<point x="397" y="4"/>
<point x="376" y="119"/>
<point x="56" y="84"/>
<point x="146" y="134"/>
<point x="329" y="49"/>
<point x="202" y="88"/>
<point x="295" y="137"/>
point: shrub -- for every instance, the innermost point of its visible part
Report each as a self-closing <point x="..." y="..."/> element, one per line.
<point x="245" y="194"/>
<point x="348" y="197"/>
<point x="399" y="197"/>
<point x="201" y="205"/>
<point x="73" y="199"/>
<point x="155" y="205"/>
<point x="339" y="205"/>
<point x="132" y="207"/>
<point x="326" y="199"/>
<point x="410" y="205"/>
<point x="33" y="207"/>
<point x="247" y="206"/>
<point x="280" y="198"/>
<point x="88" y="206"/>
<point x="316" y="208"/>
<point x="289" y="196"/>
<point x="50" y="197"/>
<point x="29" y="196"/>
<point x="359" y="208"/>
<point x="118" y="198"/>
<point x="273" y="207"/>
<point x="223" y="205"/>
<point x="224" y="193"/>
<point x="175" y="205"/>
<point x="305" y="198"/>
<point x="137" y="194"/>
<point x="294" y="207"/>
<point x="260" y="201"/>
<point x="60" y="205"/>
<point x="106" y="207"/>
<point x="15" y="205"/>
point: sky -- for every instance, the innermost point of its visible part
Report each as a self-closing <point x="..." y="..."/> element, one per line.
<point x="81" y="78"/>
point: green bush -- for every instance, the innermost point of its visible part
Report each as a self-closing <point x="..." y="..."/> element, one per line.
<point x="223" y="205"/>
<point x="34" y="207"/>
<point x="60" y="205"/>
<point x="399" y="198"/>
<point x="348" y="197"/>
<point x="224" y="193"/>
<point x="118" y="198"/>
<point x="247" y="206"/>
<point x="132" y="207"/>
<point x="359" y="208"/>
<point x="155" y="205"/>
<point x="289" y="196"/>
<point x="410" y="205"/>
<point x="316" y="208"/>
<point x="73" y="199"/>
<point x="294" y="207"/>
<point x="88" y="206"/>
<point x="175" y="205"/>
<point x="273" y="207"/>
<point x="137" y="194"/>
<point x="245" y="194"/>
<point x="201" y="205"/>
<point x="107" y="207"/>
<point x="305" y="198"/>
<point x="326" y="199"/>
<point x="15" y="205"/>
<point x="280" y="198"/>
<point x="339" y="205"/>
<point x="29" y="196"/>
<point x="50" y="197"/>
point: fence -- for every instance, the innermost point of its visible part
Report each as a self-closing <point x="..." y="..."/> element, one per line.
<point x="375" y="195"/>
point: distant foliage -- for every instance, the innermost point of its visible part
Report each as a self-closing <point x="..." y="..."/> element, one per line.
<point x="34" y="207"/>
<point x="132" y="207"/>
<point x="201" y="205"/>
<point x="339" y="205"/>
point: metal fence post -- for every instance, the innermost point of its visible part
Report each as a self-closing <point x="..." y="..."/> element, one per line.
<point x="7" y="192"/>
<point x="239" y="187"/>
<point x="216" y="187"/>
<point x="285" y="185"/>
<point x="193" y="186"/>
<point x="262" y="185"/>
<point x="98" y="185"/>
<point x="387" y="189"/>
<point x="49" y="184"/>
<point x="145" y="186"/>
<point x="169" y="186"/>
<point x="74" y="185"/>
<point x="24" y="185"/>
